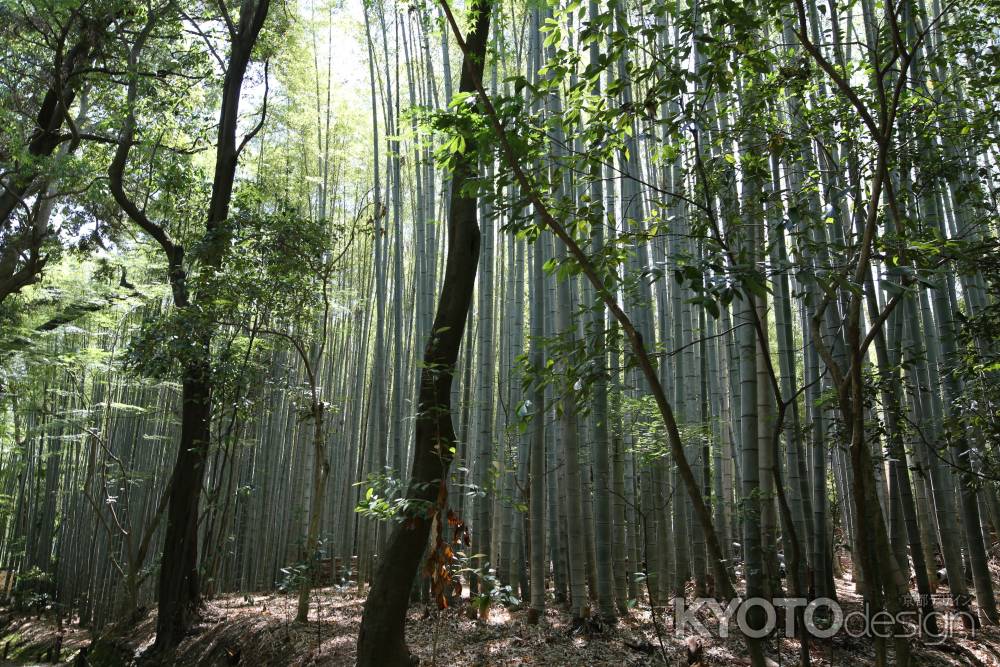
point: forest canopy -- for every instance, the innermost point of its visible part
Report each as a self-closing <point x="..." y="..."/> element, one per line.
<point x="499" y="312"/>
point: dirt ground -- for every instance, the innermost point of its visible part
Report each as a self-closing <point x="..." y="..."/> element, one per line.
<point x="260" y="631"/>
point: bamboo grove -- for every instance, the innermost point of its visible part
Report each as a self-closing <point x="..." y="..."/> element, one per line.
<point x="733" y="328"/>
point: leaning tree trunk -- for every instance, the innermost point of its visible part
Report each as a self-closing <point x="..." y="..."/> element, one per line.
<point x="381" y="641"/>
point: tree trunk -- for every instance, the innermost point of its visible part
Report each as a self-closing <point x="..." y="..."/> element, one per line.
<point x="381" y="641"/>
<point x="178" y="583"/>
<point x="320" y="471"/>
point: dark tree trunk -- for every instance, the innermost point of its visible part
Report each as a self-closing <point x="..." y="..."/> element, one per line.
<point x="381" y="641"/>
<point x="178" y="584"/>
<point x="178" y="590"/>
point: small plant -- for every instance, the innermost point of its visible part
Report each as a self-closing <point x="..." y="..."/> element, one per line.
<point x="493" y="591"/>
<point x="292" y="577"/>
<point x="444" y="562"/>
<point x="385" y="497"/>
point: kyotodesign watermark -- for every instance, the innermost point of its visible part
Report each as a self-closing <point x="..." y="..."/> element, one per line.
<point x="822" y="618"/>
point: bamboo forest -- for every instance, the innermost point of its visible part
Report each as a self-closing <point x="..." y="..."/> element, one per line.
<point x="500" y="332"/>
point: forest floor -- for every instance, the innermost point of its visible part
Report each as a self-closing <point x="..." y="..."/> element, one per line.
<point x="259" y="631"/>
